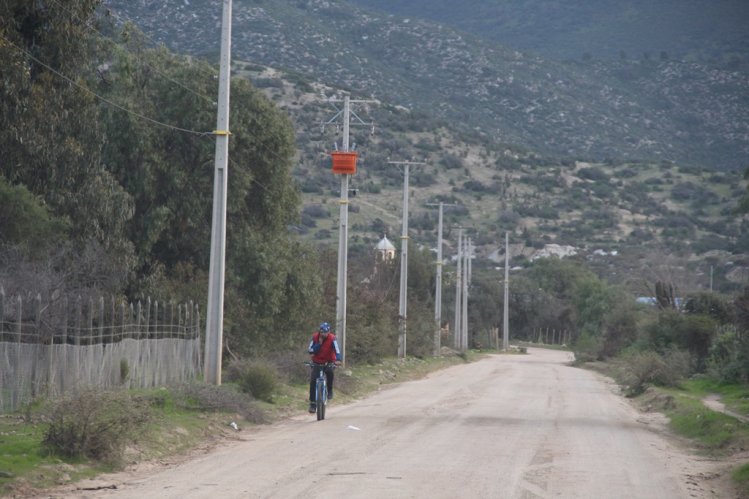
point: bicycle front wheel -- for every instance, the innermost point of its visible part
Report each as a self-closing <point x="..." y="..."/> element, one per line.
<point x="321" y="397"/>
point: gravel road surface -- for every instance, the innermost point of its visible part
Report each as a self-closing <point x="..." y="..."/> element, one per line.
<point x="507" y="426"/>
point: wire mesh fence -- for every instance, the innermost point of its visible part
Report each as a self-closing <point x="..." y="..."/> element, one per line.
<point x="47" y="349"/>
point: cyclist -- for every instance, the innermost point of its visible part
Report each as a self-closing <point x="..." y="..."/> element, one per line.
<point x="323" y="348"/>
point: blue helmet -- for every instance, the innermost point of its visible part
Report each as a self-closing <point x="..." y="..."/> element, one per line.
<point x="324" y="327"/>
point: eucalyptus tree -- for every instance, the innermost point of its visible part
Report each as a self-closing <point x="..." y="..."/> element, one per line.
<point x="49" y="132"/>
<point x="166" y="164"/>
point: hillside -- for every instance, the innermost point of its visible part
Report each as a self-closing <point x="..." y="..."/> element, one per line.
<point x="713" y="32"/>
<point x="630" y="219"/>
<point x="629" y="109"/>
<point x="651" y="216"/>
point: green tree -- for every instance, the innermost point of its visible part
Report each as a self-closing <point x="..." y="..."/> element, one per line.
<point x="49" y="131"/>
<point x="711" y="305"/>
<point x="743" y="206"/>
<point x="691" y="332"/>
<point x="25" y="220"/>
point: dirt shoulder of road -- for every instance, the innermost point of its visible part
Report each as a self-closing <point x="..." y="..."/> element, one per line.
<point x="714" y="467"/>
<point x="216" y="431"/>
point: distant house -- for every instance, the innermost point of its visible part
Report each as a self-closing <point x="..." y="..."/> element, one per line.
<point x="650" y="300"/>
<point x="557" y="250"/>
<point x="384" y="251"/>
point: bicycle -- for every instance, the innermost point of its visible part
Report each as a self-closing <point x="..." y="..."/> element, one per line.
<point x="321" y="387"/>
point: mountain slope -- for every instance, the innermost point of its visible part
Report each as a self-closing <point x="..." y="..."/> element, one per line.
<point x="713" y="31"/>
<point x="647" y="109"/>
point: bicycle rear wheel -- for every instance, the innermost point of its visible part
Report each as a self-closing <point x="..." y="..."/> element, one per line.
<point x="321" y="397"/>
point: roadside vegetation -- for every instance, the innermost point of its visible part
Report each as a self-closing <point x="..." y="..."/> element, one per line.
<point x="90" y="432"/>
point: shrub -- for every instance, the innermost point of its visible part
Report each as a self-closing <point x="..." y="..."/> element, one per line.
<point x="593" y="173"/>
<point x="202" y="397"/>
<point x="729" y="357"/>
<point x="257" y="377"/>
<point x="645" y="368"/>
<point x="95" y="424"/>
<point x="316" y="211"/>
<point x="587" y="347"/>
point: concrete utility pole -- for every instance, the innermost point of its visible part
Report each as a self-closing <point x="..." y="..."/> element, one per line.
<point x="438" y="285"/>
<point x="214" y="324"/>
<point x="464" y="313"/>
<point x="341" y="282"/>
<point x="458" y="292"/>
<point x="402" y="305"/>
<point x="506" y="317"/>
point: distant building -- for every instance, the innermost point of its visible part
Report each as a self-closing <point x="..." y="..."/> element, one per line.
<point x="652" y="301"/>
<point x="384" y="251"/>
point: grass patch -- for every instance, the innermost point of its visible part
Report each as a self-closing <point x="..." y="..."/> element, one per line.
<point x="734" y="396"/>
<point x="713" y="431"/>
<point x="25" y="465"/>
<point x="741" y="478"/>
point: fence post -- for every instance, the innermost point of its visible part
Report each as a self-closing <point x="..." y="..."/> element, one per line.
<point x="90" y="321"/>
<point x="148" y="383"/>
<point x="138" y="345"/>
<point x="196" y="332"/>
<point x="138" y="312"/>
<point x="157" y="347"/>
<point x="101" y="320"/>
<point x="37" y="348"/>
<point x="19" y="333"/>
<point x="64" y="345"/>
<point x="2" y="312"/>
<point x="148" y="318"/>
<point x="191" y="318"/>
<point x="91" y="353"/>
<point x="122" y="320"/>
<point x="78" y="324"/>
<point x="114" y="322"/>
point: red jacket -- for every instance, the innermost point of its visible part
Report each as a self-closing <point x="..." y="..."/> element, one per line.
<point x="324" y="352"/>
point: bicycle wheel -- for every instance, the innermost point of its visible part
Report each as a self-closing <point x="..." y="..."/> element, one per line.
<point x="321" y="399"/>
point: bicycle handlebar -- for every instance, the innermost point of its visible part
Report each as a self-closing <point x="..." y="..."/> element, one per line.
<point x="327" y="364"/>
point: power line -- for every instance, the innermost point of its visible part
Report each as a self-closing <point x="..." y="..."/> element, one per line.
<point x="104" y="99"/>
<point x="123" y="20"/>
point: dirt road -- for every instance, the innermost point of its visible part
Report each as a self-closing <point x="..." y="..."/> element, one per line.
<point x="508" y="426"/>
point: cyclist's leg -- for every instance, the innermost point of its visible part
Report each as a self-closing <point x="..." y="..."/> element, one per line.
<point x="329" y="376"/>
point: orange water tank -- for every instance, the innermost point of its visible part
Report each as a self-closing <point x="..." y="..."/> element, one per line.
<point x="344" y="162"/>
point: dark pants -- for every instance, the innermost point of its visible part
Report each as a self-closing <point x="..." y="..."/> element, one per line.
<point x="315" y="372"/>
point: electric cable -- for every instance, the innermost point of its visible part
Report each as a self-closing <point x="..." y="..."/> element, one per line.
<point x="103" y="99"/>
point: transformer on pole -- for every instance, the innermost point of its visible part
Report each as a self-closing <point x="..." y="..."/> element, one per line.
<point x="344" y="164"/>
